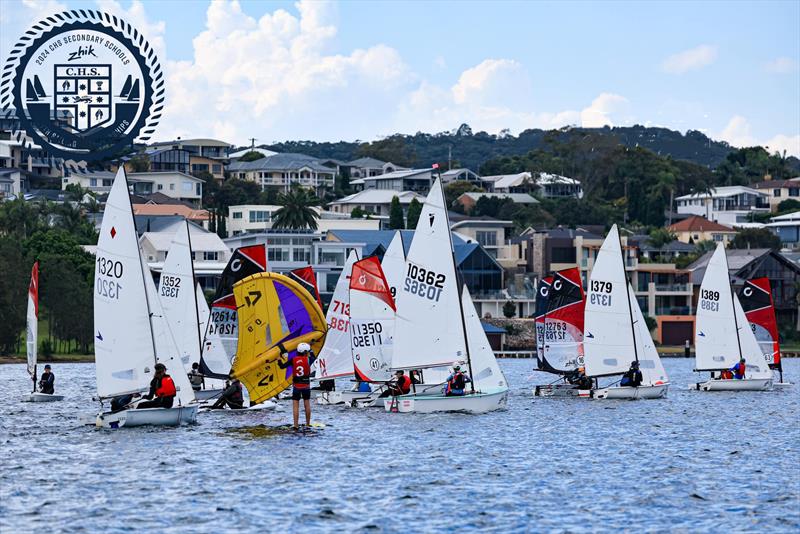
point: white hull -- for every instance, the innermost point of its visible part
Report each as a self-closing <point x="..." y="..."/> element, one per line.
<point x="560" y="390"/>
<point x="746" y="384"/>
<point x="206" y="394"/>
<point x="267" y="405"/>
<point x="148" y="416"/>
<point x="331" y="398"/>
<point x="471" y="403"/>
<point x="627" y="392"/>
<point x="782" y="385"/>
<point x="42" y="397"/>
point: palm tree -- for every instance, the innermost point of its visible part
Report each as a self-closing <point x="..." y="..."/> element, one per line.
<point x="297" y="210"/>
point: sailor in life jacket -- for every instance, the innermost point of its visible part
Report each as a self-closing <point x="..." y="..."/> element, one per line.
<point x="739" y="369"/>
<point x="456" y="382"/>
<point x="399" y="385"/>
<point x="162" y="388"/>
<point x="300" y="365"/>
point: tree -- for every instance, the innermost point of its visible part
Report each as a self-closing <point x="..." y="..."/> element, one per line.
<point x="396" y="221"/>
<point x="139" y="163"/>
<point x="660" y="237"/>
<point x="788" y="206"/>
<point x="509" y="309"/>
<point x="251" y="155"/>
<point x="75" y="192"/>
<point x="297" y="210"/>
<point x="13" y="284"/>
<point x="414" y="211"/>
<point x="755" y="238"/>
<point x="357" y="213"/>
<point x="455" y="189"/>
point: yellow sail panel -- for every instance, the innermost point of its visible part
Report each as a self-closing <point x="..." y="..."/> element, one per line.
<point x="272" y="309"/>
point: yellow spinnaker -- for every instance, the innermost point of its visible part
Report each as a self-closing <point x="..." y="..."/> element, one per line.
<point x="272" y="309"/>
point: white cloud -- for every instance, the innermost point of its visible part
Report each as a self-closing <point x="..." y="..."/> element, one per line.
<point x="137" y="17"/>
<point x="738" y="133"/>
<point x="781" y="65"/>
<point x="692" y="59"/>
<point x="17" y="17"/>
<point x="781" y="143"/>
<point x="599" y="113"/>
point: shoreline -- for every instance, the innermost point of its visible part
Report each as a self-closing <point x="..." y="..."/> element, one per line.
<point x="61" y="358"/>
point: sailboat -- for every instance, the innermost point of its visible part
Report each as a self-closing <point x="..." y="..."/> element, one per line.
<point x="31" y="338"/>
<point x="436" y="324"/>
<point x="560" y="331"/>
<point x="723" y="335"/>
<point x="131" y="332"/>
<point x="759" y="308"/>
<point x="615" y="332"/>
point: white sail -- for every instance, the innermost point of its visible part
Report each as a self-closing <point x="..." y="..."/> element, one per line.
<point x="335" y="358"/>
<point x="124" y="349"/>
<point x="716" y="340"/>
<point x="650" y="365"/>
<point x="756" y="362"/>
<point x="176" y="291"/>
<point x="371" y="335"/>
<point x="428" y="330"/>
<point x="394" y="263"/>
<point x="32" y="327"/>
<point x="486" y="374"/>
<point x="608" y="337"/>
<point x="203" y="313"/>
<point x="167" y="351"/>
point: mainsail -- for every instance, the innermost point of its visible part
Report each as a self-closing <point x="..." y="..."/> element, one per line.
<point x="32" y="330"/>
<point x="275" y="313"/>
<point x="335" y="359"/>
<point x="542" y="294"/>
<point x="219" y="343"/>
<point x="372" y="311"/>
<point x="394" y="263"/>
<point x="756" y="299"/>
<point x="563" y="322"/>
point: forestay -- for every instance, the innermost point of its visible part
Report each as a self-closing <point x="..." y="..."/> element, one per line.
<point x="428" y="330"/>
<point x="486" y="374"/>
<point x="563" y="322"/>
<point x="124" y="349"/>
<point x="335" y="359"/>
<point x="32" y="327"/>
<point x="372" y="311"/>
<point x="650" y="365"/>
<point x="608" y="337"/>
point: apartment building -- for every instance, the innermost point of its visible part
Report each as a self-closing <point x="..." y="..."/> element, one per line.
<point x="726" y="205"/>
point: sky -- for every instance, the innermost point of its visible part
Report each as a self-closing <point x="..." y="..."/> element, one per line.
<point x="327" y="71"/>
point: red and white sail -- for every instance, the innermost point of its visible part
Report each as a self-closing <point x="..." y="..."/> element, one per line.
<point x="563" y="322"/>
<point x="759" y="308"/>
<point x="32" y="331"/>
<point x="372" y="313"/>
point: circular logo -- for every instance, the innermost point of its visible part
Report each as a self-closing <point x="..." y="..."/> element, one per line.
<point x="748" y="292"/>
<point x="543" y="291"/>
<point x="557" y="285"/>
<point x="84" y="85"/>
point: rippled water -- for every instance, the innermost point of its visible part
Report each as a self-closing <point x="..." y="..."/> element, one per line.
<point x="693" y="461"/>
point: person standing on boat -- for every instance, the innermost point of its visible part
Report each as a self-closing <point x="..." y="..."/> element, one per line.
<point x="162" y="388"/>
<point x="196" y="378"/>
<point x="739" y="369"/>
<point x="47" y="382"/>
<point x="399" y="385"/>
<point x="301" y="379"/>
<point x="632" y="377"/>
<point x="456" y="382"/>
<point x="231" y="397"/>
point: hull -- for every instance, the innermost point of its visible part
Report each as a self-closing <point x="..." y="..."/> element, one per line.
<point x="348" y="398"/>
<point x="782" y="385"/>
<point x="148" y="417"/>
<point x="42" y="397"/>
<point x="626" y="392"/>
<point x="746" y="384"/>
<point x="473" y="403"/>
<point x="561" y="390"/>
<point x="267" y="405"/>
<point x="206" y="394"/>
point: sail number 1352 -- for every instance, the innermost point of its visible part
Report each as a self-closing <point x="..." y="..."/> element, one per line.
<point x="424" y="282"/>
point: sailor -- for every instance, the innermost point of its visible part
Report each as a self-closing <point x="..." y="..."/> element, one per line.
<point x="232" y="396"/>
<point x="415" y="376"/>
<point x="399" y="385"/>
<point x="582" y="381"/>
<point x="301" y="379"/>
<point x="738" y="369"/>
<point x="632" y="377"/>
<point x="456" y="382"/>
<point x="196" y="378"/>
<point x="362" y="387"/>
<point x="47" y="381"/>
<point x="162" y="388"/>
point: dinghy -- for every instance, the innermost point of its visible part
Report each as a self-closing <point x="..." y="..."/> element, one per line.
<point x="615" y="332"/>
<point x="131" y="332"/>
<point x="436" y="324"/>
<point x="32" y="339"/>
<point x="759" y="308"/>
<point x="559" y="328"/>
<point x="723" y="335"/>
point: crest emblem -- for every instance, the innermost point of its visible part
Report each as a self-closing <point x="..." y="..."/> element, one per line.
<point x="84" y="85"/>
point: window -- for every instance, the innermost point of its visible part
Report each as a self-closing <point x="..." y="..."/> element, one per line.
<point x="776" y="192"/>
<point x="198" y="190"/>
<point x="160" y="187"/>
<point x="794" y="192"/>
<point x="108" y="182"/>
<point x="486" y="239"/>
<point x="259" y="216"/>
<point x="237" y="214"/>
<point x="187" y="187"/>
<point x="92" y="182"/>
<point x="718" y="237"/>
<point x="277" y="254"/>
<point x="210" y="256"/>
<point x="216" y="169"/>
<point x="301" y="255"/>
<point x="172" y="187"/>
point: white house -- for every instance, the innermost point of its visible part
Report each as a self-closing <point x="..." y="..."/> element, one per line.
<point x="281" y="171"/>
<point x="97" y="181"/>
<point x="171" y="183"/>
<point x="418" y="180"/>
<point x="461" y="174"/>
<point x="253" y="218"/>
<point x="10" y="183"/>
<point x="374" y="201"/>
<point x="726" y="205"/>
<point x="366" y="167"/>
<point x="787" y="227"/>
<point x="544" y="184"/>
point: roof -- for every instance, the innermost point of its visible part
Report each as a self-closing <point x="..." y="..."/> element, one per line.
<point x="460" y="220"/>
<point x="405" y="173"/>
<point x="196" y="141"/>
<point x="492" y="329"/>
<point x="674" y="246"/>
<point x="504" y="181"/>
<point x="793" y="216"/>
<point x="379" y="196"/>
<point x="171" y="209"/>
<point x="456" y="172"/>
<point x="724" y="191"/>
<point x="738" y="259"/>
<point x="49" y="194"/>
<point x="148" y="176"/>
<point x="366" y="162"/>
<point x="695" y="223"/>
<point x="240" y="153"/>
<point x="772" y="184"/>
<point x="517" y="198"/>
<point x="156" y="223"/>
<point x="570" y="233"/>
<point x="201" y="241"/>
<point x="160" y="198"/>
<point x="551" y="179"/>
<point x="280" y="162"/>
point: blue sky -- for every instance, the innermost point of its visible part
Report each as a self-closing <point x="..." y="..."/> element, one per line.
<point x="281" y="70"/>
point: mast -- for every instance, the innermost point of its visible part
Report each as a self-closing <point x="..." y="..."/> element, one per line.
<point x="628" y="294"/>
<point x="194" y="285"/>
<point x="461" y="290"/>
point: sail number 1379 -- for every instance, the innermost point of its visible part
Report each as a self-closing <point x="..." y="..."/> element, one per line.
<point x="600" y="293"/>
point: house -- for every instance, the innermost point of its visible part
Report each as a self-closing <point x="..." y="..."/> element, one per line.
<point x="11" y="183"/>
<point x="165" y="159"/>
<point x="744" y="264"/>
<point x="201" y="164"/>
<point x="665" y="253"/>
<point x="664" y="293"/>
<point x="256" y="218"/>
<point x="374" y="201"/>
<point x="509" y="183"/>
<point x="281" y="171"/>
<point x="190" y="156"/>
<point x="234" y="156"/>
<point x="779" y="190"/>
<point x="417" y="180"/>
<point x="786" y="227"/>
<point x="726" y="205"/>
<point x="94" y="181"/>
<point x="556" y="186"/>
<point x="178" y="185"/>
<point x="366" y="167"/>
<point x="695" y="228"/>
<point x="202" y="148"/>
<point x="199" y="217"/>
<point x="464" y="175"/>
<point x="469" y="200"/>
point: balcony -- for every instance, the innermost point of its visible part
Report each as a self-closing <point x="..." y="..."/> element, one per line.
<point x="673" y="310"/>
<point x="673" y="288"/>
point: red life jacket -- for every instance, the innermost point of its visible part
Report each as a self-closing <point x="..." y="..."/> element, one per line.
<point x="457" y="382"/>
<point x="739" y="369"/>
<point x="167" y="388"/>
<point x="404" y="384"/>
<point x="301" y="369"/>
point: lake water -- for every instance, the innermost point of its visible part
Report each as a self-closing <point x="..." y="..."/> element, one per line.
<point x="692" y="462"/>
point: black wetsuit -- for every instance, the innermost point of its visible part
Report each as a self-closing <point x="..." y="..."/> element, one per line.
<point x="632" y="378"/>
<point x="47" y="383"/>
<point x="231" y="397"/>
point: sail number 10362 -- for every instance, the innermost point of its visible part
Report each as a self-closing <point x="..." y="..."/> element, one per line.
<point x="424" y="282"/>
<point x="107" y="280"/>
